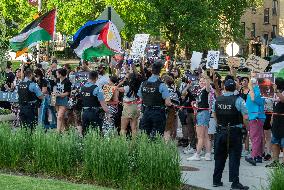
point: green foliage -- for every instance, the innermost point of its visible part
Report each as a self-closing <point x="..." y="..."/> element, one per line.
<point x="4" y="111"/>
<point x="113" y="161"/>
<point x="276" y="178"/>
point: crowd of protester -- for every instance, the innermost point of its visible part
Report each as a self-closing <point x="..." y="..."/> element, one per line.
<point x="192" y="96"/>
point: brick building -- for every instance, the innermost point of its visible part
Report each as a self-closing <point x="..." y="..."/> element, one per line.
<point x="260" y="25"/>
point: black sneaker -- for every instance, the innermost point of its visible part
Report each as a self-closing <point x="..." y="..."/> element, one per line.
<point x="217" y="184"/>
<point x="239" y="186"/>
<point x="273" y="164"/>
<point x="258" y="159"/>
<point x="267" y="157"/>
<point x="251" y="161"/>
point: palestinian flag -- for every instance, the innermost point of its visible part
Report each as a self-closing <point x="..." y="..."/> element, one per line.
<point x="41" y="29"/>
<point x="96" y="39"/>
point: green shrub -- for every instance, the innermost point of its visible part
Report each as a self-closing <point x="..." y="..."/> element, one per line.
<point x="276" y="178"/>
<point x="114" y="161"/>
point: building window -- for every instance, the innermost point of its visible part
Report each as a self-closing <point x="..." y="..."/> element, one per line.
<point x="266" y="16"/>
<point x="274" y="7"/>
<point x="265" y="39"/>
<point x="274" y="31"/>
<point x="253" y="30"/>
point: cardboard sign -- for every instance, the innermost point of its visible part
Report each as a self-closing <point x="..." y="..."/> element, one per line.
<point x="139" y="45"/>
<point x="9" y="96"/>
<point x="195" y="60"/>
<point x="256" y="64"/>
<point x="212" y="59"/>
<point x="234" y="62"/>
<point x="265" y="82"/>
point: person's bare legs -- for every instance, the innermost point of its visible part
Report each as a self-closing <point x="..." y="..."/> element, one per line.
<point x="200" y="138"/>
<point x="267" y="138"/>
<point x="133" y="124"/>
<point x="207" y="142"/>
<point x="124" y="124"/>
<point x="60" y="118"/>
<point x="275" y="151"/>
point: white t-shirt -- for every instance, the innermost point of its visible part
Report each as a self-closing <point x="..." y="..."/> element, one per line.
<point x="125" y="98"/>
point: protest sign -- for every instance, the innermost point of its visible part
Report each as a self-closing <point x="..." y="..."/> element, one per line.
<point x="256" y="64"/>
<point x="139" y="45"/>
<point x="212" y="59"/>
<point x="79" y="78"/>
<point x="195" y="60"/>
<point x="9" y="96"/>
<point x="234" y="62"/>
<point x="265" y="82"/>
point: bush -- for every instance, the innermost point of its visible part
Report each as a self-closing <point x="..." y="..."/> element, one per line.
<point x="113" y="161"/>
<point x="276" y="178"/>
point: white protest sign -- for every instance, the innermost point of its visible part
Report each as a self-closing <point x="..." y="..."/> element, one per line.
<point x="139" y="45"/>
<point x="195" y="60"/>
<point x="212" y="59"/>
<point x="256" y="64"/>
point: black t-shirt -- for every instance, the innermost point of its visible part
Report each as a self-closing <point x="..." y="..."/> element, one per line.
<point x="202" y="99"/>
<point x="43" y="83"/>
<point x="187" y="101"/>
<point x="64" y="86"/>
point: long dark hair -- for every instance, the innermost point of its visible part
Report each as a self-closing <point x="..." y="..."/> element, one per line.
<point x="134" y="82"/>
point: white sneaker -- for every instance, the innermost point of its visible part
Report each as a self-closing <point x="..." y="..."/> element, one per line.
<point x="195" y="157"/>
<point x="189" y="151"/>
<point x="208" y="157"/>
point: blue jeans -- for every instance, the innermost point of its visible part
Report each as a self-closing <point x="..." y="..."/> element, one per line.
<point x="43" y="118"/>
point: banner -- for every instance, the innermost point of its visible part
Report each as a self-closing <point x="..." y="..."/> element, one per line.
<point x="265" y="82"/>
<point x="195" y="60"/>
<point x="256" y="64"/>
<point x="79" y="78"/>
<point x="9" y="96"/>
<point x="212" y="59"/>
<point x="139" y="45"/>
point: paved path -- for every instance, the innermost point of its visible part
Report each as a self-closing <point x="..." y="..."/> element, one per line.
<point x="253" y="176"/>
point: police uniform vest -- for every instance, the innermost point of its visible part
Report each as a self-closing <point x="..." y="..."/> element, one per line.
<point x="226" y="111"/>
<point x="88" y="99"/>
<point x="151" y="95"/>
<point x="25" y="95"/>
<point x="278" y="120"/>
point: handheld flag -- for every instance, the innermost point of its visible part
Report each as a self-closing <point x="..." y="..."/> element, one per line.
<point x="96" y="39"/>
<point x="41" y="29"/>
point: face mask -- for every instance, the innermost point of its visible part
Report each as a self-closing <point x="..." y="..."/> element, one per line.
<point x="253" y="80"/>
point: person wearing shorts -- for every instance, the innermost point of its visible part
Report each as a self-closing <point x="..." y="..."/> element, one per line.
<point x="202" y="121"/>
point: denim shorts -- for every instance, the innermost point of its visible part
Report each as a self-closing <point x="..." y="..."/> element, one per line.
<point x="203" y="118"/>
<point x="279" y="141"/>
<point x="62" y="101"/>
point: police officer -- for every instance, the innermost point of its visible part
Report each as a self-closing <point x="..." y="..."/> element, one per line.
<point x="155" y="96"/>
<point x="228" y="111"/>
<point x="92" y="101"/>
<point x="29" y="95"/>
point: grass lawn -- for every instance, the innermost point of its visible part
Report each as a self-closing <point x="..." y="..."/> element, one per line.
<point x="11" y="182"/>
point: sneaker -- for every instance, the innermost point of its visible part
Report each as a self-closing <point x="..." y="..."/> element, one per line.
<point x="258" y="159"/>
<point x="251" y="161"/>
<point x="208" y="157"/>
<point x="273" y="164"/>
<point x="195" y="157"/>
<point x="217" y="184"/>
<point x="267" y="157"/>
<point x="188" y="150"/>
<point x="239" y="186"/>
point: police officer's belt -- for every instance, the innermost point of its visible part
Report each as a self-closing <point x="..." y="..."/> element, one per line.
<point x="225" y="128"/>
<point x="33" y="103"/>
<point x="154" y="107"/>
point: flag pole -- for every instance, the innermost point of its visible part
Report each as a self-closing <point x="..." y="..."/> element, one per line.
<point x="39" y="8"/>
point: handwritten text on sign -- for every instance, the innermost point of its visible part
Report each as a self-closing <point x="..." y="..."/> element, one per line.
<point x="139" y="45"/>
<point x="212" y="59"/>
<point x="256" y="64"/>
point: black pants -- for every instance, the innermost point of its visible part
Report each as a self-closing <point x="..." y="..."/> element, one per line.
<point x="221" y="154"/>
<point x="91" y="117"/>
<point x="153" y="121"/>
<point x="28" y="116"/>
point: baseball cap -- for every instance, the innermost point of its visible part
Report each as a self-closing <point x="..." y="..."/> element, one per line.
<point x="230" y="83"/>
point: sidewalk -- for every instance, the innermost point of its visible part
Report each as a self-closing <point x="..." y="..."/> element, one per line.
<point x="253" y="176"/>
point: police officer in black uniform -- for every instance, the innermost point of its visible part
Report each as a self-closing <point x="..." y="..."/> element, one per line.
<point x="93" y="102"/>
<point x="155" y="97"/>
<point x="29" y="96"/>
<point x="228" y="111"/>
